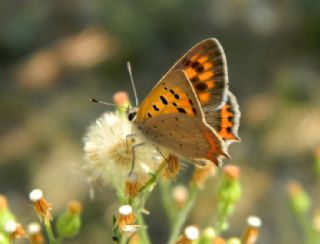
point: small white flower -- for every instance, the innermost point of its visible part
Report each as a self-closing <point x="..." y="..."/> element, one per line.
<point x="109" y="154"/>
<point x="11" y="226"/>
<point x="34" y="228"/>
<point x="254" y="221"/>
<point x="125" y="210"/>
<point x="35" y="195"/>
<point x="192" y="233"/>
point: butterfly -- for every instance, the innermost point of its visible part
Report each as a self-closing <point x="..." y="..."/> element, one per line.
<point x="191" y="111"/>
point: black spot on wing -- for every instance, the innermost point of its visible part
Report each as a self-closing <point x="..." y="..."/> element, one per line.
<point x="176" y="96"/>
<point x="182" y="110"/>
<point x="194" y="111"/>
<point x="201" y="86"/>
<point x="163" y="100"/>
<point x="149" y="115"/>
<point x="155" y="107"/>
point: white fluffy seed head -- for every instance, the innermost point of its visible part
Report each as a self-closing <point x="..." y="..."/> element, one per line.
<point x="35" y="195"/>
<point x="10" y="226"/>
<point x="108" y="151"/>
<point x="34" y="228"/>
<point x="125" y="210"/>
<point x="192" y="233"/>
<point x="254" y="221"/>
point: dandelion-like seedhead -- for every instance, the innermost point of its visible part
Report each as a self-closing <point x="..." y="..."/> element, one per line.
<point x="108" y="151"/>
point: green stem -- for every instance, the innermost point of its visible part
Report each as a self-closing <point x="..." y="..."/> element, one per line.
<point x="182" y="215"/>
<point x="123" y="240"/>
<point x="166" y="198"/>
<point x="309" y="233"/>
<point x="222" y="216"/>
<point x="143" y="232"/>
<point x="153" y="177"/>
<point x="49" y="231"/>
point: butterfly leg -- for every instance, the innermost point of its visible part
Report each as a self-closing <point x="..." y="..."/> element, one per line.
<point x="132" y="135"/>
<point x="133" y="148"/>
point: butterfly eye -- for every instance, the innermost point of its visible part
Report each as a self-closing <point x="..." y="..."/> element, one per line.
<point x="132" y="115"/>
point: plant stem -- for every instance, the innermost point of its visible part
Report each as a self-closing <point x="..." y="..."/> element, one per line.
<point x="222" y="216"/>
<point x="166" y="197"/>
<point x="143" y="232"/>
<point x="309" y="233"/>
<point x="182" y="215"/>
<point x="153" y="177"/>
<point x="48" y="228"/>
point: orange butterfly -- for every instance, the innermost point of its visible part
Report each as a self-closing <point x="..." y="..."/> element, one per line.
<point x="191" y="111"/>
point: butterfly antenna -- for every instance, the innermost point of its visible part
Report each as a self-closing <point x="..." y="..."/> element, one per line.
<point x="132" y="83"/>
<point x="102" y="102"/>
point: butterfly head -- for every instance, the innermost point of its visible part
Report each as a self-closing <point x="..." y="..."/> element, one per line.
<point x="131" y="113"/>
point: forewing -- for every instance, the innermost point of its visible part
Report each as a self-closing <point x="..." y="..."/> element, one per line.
<point x="171" y="116"/>
<point x="225" y="120"/>
<point x="172" y="95"/>
<point x="206" y="67"/>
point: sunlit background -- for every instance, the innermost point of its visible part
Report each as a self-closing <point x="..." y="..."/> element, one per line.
<point x="55" y="55"/>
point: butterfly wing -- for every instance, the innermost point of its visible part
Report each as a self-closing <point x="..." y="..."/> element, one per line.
<point x="225" y="120"/>
<point x="206" y="67"/>
<point x="171" y="117"/>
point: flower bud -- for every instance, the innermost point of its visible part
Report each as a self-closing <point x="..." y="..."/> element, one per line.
<point x="180" y="195"/>
<point x="251" y="233"/>
<point x="5" y="213"/>
<point x="299" y="199"/>
<point x="207" y="236"/>
<point x="218" y="240"/>
<point x="229" y="189"/>
<point x="69" y="222"/>
<point x="126" y="217"/>
<point x="121" y="99"/>
<point x="191" y="233"/>
<point x="35" y="235"/>
<point x="41" y="206"/>
<point x="172" y="167"/>
<point x="133" y="184"/>
<point x="234" y="240"/>
<point x="14" y="229"/>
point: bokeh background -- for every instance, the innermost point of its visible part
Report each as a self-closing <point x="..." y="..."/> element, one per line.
<point x="55" y="55"/>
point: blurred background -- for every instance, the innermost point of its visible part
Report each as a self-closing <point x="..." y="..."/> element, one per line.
<point x="55" y="55"/>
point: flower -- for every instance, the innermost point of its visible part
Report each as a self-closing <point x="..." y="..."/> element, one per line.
<point x="299" y="199"/>
<point x="34" y="232"/>
<point x="41" y="206"/>
<point x="69" y="222"/>
<point x="126" y="218"/>
<point x="172" y="167"/>
<point x="5" y="213"/>
<point x="108" y="151"/>
<point x="191" y="233"/>
<point x="251" y="233"/>
<point x="14" y="229"/>
<point x="134" y="183"/>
